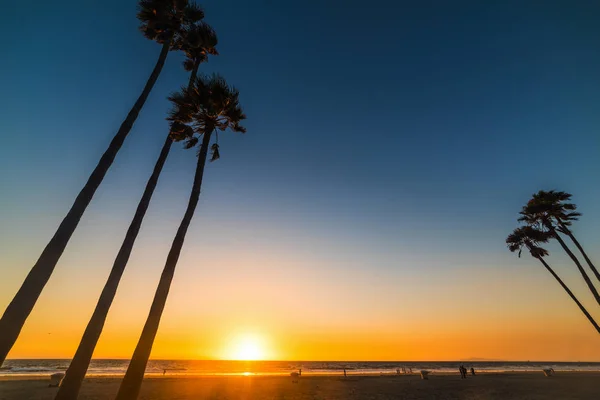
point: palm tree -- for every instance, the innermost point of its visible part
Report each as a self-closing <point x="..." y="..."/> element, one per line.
<point x="530" y="238"/>
<point x="555" y="205"/>
<point x="210" y="105"/>
<point x="202" y="41"/>
<point x="540" y="213"/>
<point x="160" y="20"/>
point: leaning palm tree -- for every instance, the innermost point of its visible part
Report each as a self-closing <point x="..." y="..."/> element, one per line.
<point x="210" y="105"/>
<point x="197" y="41"/>
<point x="539" y="214"/>
<point x="529" y="238"/>
<point x="160" y="21"/>
<point x="562" y="213"/>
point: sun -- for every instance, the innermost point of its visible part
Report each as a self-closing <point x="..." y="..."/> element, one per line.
<point x="246" y="348"/>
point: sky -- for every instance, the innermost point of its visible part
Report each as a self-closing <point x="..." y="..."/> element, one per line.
<point x="389" y="148"/>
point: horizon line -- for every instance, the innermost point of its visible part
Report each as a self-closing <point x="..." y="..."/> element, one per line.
<point x="329" y="361"/>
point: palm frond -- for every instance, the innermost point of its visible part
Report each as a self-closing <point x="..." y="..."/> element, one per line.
<point x="188" y="64"/>
<point x="192" y="13"/>
<point x="215" y="155"/>
<point x="571" y="216"/>
<point x="538" y="252"/>
<point x="179" y="131"/>
<point x="183" y="108"/>
<point x="191" y="142"/>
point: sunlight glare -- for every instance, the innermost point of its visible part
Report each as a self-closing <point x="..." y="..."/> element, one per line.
<point x="247" y="348"/>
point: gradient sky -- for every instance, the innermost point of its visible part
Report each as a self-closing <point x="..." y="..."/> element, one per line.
<point x="390" y="146"/>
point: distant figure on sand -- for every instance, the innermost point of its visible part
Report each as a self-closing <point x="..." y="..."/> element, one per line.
<point x="344" y="372"/>
<point x="164" y="371"/>
<point x="56" y="379"/>
<point x="296" y="375"/>
<point x="463" y="372"/>
<point x="472" y="371"/>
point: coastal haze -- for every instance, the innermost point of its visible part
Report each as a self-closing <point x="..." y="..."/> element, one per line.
<point x="362" y="217"/>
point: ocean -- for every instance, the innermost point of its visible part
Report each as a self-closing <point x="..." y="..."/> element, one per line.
<point x="202" y="367"/>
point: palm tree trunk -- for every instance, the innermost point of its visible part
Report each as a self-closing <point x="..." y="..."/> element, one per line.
<point x="578" y="264"/>
<point x="589" y="262"/>
<point x="18" y="310"/>
<point x="581" y="307"/>
<point x="130" y="386"/>
<point x="69" y="388"/>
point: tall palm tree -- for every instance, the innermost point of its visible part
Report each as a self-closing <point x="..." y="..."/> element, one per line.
<point x="540" y="214"/>
<point x="561" y="213"/>
<point x="160" y="20"/>
<point x="210" y="105"/>
<point x="202" y="41"/>
<point x="529" y="238"/>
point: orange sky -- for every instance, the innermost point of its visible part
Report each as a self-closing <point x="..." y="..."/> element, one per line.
<point x="301" y="310"/>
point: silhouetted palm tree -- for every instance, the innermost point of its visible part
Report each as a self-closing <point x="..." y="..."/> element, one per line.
<point x="529" y="238"/>
<point x="202" y="41"/>
<point x="160" y="20"/>
<point x="561" y="213"/>
<point x="210" y="105"/>
<point x="540" y="213"/>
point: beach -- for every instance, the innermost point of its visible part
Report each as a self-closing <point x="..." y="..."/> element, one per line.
<point x="506" y="386"/>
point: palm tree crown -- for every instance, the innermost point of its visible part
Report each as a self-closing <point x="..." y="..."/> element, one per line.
<point x="208" y="104"/>
<point x="550" y="209"/>
<point x="161" y="20"/>
<point x="530" y="238"/>
<point x="197" y="41"/>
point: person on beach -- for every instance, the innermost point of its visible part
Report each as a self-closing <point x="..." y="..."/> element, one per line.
<point x="344" y="372"/>
<point x="472" y="371"/>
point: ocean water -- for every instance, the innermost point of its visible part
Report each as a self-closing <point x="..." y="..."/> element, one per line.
<point x="201" y="367"/>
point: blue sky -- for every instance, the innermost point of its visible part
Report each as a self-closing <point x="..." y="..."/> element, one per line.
<point x="377" y="132"/>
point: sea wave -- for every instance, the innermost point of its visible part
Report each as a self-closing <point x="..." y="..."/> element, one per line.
<point x="200" y="367"/>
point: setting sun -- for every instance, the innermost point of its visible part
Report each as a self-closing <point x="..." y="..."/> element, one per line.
<point x="246" y="348"/>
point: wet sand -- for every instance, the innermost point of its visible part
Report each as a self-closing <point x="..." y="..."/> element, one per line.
<point x="506" y="386"/>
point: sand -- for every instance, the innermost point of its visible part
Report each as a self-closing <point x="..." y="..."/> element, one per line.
<point x="532" y="386"/>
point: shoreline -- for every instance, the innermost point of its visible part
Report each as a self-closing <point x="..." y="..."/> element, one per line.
<point x="305" y="375"/>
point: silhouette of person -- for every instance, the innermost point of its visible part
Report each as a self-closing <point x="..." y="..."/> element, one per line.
<point x="344" y="372"/>
<point x="472" y="371"/>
